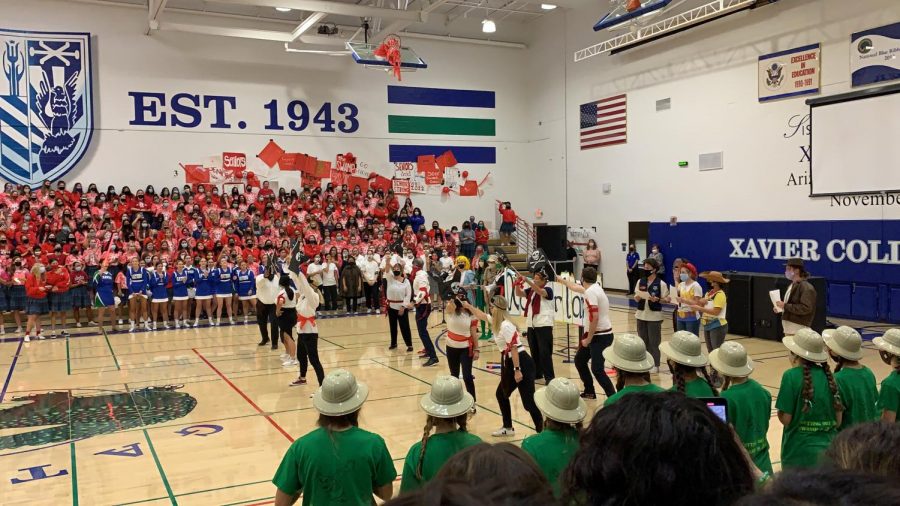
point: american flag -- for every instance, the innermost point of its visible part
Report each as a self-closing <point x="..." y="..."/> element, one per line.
<point x="603" y="123"/>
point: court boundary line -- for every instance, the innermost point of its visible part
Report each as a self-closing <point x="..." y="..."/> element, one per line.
<point x="246" y="398"/>
<point x="108" y="345"/>
<point x="74" y="473"/>
<point x="162" y="474"/>
<point x="68" y="360"/>
<point x="12" y="367"/>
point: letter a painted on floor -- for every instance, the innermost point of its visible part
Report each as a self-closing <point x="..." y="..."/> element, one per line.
<point x="38" y="473"/>
<point x="133" y="450"/>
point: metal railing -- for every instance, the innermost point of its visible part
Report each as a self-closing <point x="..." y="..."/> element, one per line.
<point x="525" y="236"/>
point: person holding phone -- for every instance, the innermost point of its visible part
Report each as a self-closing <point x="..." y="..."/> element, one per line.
<point x="749" y="403"/>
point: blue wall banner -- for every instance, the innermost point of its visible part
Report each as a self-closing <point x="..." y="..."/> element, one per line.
<point x="860" y="255"/>
<point x="875" y="55"/>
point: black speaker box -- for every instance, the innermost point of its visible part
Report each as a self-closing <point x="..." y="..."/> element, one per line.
<point x="739" y="303"/>
<point x="766" y="324"/>
<point x="551" y="239"/>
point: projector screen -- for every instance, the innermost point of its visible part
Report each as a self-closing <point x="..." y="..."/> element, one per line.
<point x="855" y="146"/>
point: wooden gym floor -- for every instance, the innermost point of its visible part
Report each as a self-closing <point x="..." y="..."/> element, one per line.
<point x="203" y="416"/>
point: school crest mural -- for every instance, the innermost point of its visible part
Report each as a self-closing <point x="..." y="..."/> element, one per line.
<point x="46" y="108"/>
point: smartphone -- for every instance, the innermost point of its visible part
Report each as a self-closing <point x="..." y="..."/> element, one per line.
<point x="718" y="405"/>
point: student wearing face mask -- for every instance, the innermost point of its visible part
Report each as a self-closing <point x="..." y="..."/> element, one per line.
<point x="688" y="293"/>
<point x="17" y="297"/>
<point x="399" y="299"/>
<point x="78" y="292"/>
<point x="799" y="306"/>
<point x="36" y="290"/>
<point x="371" y="272"/>
<point x="58" y="299"/>
<point x="658" y="256"/>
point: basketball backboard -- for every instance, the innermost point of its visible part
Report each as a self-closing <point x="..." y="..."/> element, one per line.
<point x="364" y="54"/>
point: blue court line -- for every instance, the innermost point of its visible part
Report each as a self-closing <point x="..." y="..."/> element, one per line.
<point x="12" y="367"/>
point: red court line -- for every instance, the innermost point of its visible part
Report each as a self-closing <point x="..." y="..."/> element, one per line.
<point x="242" y="394"/>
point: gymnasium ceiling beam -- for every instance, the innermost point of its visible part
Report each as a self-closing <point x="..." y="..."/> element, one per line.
<point x="341" y="9"/>
<point x="155" y="9"/>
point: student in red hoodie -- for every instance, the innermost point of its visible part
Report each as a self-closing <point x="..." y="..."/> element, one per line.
<point x="59" y="299"/>
<point x="36" y="289"/>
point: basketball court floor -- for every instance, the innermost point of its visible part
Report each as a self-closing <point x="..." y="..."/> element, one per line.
<point x="203" y="416"/>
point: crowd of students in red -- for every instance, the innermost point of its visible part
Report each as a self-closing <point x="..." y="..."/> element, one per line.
<point x="54" y="239"/>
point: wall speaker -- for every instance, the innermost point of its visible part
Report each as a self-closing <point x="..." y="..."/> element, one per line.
<point x="712" y="161"/>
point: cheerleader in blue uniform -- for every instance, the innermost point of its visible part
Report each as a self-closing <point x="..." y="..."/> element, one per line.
<point x="158" y="279"/>
<point x="245" y="279"/>
<point x="204" y="292"/>
<point x="104" y="296"/>
<point x="180" y="280"/>
<point x="191" y="272"/>
<point x="136" y="280"/>
<point x="224" y="289"/>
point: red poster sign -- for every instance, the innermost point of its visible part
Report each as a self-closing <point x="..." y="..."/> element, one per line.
<point x="401" y="186"/>
<point x="323" y="169"/>
<point x="434" y="176"/>
<point x="337" y="177"/>
<point x="362" y="182"/>
<point x="288" y="161"/>
<point x="236" y="163"/>
<point x="195" y="174"/>
<point x="377" y="182"/>
<point x="270" y="154"/>
<point x="446" y="160"/>
<point x="469" y="189"/>
<point x="426" y="163"/>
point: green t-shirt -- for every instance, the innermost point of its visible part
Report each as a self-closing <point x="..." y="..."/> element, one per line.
<point x="440" y="447"/>
<point x="749" y="411"/>
<point x="696" y="388"/>
<point x="336" y="468"/>
<point x="810" y="433"/>
<point x="632" y="389"/>
<point x="859" y="394"/>
<point x="889" y="399"/>
<point x="552" y="450"/>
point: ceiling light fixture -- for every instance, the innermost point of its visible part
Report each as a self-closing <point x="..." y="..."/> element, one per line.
<point x="283" y="9"/>
<point x="548" y="7"/>
<point x="488" y="26"/>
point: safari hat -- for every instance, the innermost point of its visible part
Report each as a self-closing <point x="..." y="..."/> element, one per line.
<point x="731" y="359"/>
<point x="340" y="394"/>
<point x="714" y="276"/>
<point x="560" y="401"/>
<point x="499" y="302"/>
<point x="684" y="348"/>
<point x="808" y="344"/>
<point x="447" y="398"/>
<point x="889" y="342"/>
<point x="628" y="353"/>
<point x="844" y="341"/>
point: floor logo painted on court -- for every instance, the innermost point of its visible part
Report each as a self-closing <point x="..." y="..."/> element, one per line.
<point x="82" y="413"/>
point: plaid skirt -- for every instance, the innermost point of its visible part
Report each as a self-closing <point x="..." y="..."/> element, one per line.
<point x="80" y="297"/>
<point x="36" y="306"/>
<point x="60" y="301"/>
<point x="17" y="298"/>
<point x="4" y="299"/>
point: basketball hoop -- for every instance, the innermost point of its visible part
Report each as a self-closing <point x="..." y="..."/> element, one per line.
<point x="390" y="50"/>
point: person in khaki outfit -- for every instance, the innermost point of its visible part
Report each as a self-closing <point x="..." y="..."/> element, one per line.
<point x="799" y="305"/>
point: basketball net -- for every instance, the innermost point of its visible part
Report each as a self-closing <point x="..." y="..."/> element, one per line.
<point x="390" y="50"/>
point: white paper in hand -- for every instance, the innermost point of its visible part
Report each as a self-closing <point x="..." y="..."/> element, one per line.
<point x="775" y="295"/>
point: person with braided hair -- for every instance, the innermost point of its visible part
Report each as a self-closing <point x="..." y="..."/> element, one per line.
<point x="447" y="407"/>
<point x="688" y="363"/>
<point x="628" y="356"/>
<point x="809" y="401"/>
<point x="856" y="382"/>
<point x="749" y="403"/>
<point x="889" y="397"/>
